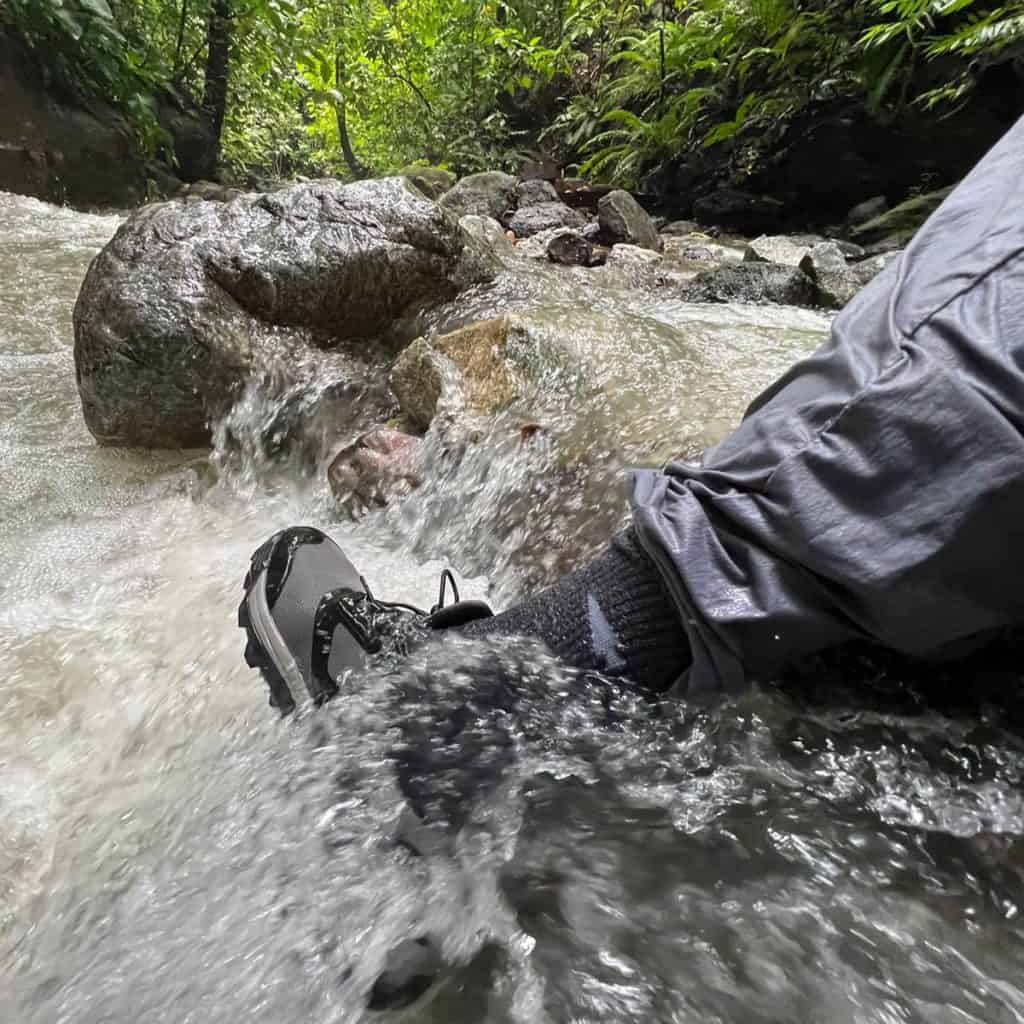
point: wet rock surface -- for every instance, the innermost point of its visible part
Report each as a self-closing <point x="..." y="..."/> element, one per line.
<point x="433" y="182"/>
<point x="785" y="250"/>
<point x="176" y="310"/>
<point x="379" y="466"/>
<point x="487" y="194"/>
<point x="752" y="283"/>
<point x="533" y="219"/>
<point x="623" y="219"/>
<point x="570" y="249"/>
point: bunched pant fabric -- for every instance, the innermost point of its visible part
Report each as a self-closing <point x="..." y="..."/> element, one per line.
<point x="876" y="492"/>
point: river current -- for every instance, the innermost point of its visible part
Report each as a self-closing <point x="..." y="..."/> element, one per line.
<point x="843" y="851"/>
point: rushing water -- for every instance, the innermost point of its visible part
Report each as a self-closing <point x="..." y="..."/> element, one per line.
<point x="169" y="851"/>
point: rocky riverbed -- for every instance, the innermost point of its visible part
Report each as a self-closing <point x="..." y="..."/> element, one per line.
<point x="411" y="339"/>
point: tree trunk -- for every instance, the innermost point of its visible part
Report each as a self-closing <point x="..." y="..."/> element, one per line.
<point x="181" y="37"/>
<point x="215" y="89"/>
<point x="357" y="169"/>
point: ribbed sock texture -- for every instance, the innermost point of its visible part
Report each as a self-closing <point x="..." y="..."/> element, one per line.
<point x="614" y="615"/>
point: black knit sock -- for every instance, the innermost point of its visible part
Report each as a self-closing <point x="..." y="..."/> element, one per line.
<point x="614" y="615"/>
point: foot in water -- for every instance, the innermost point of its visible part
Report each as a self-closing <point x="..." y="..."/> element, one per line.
<point x="310" y="619"/>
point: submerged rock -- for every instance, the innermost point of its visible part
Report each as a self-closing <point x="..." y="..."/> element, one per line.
<point x="380" y="465"/>
<point x="418" y="379"/>
<point x="681" y="227"/>
<point x="487" y="194"/>
<point x="623" y="219"/>
<point x="478" y="367"/>
<point x="752" y="282"/>
<point x="189" y="296"/>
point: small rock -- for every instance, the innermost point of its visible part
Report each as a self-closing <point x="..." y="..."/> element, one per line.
<point x="488" y="231"/>
<point x="632" y="267"/>
<point x="380" y="465"/>
<point x="536" y="246"/>
<point x="592" y="232"/>
<point x="780" y="249"/>
<point x="534" y="193"/>
<point x="488" y="194"/>
<point x="701" y="249"/>
<point x="623" y="219"/>
<point x="868" y="210"/>
<point x="467" y="367"/>
<point x="867" y="270"/>
<point x="418" y="380"/>
<point x="826" y="266"/>
<point x="752" y="282"/>
<point x="531" y="220"/>
<point x="632" y="255"/>
<point x="570" y="249"/>
<point x="433" y="182"/>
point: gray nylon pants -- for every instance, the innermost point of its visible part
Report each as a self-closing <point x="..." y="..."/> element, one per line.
<point x="877" y="491"/>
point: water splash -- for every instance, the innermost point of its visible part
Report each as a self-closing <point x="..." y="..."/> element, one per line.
<point x="169" y="851"/>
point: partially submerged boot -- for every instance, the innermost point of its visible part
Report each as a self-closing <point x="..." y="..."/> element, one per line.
<point x="311" y="620"/>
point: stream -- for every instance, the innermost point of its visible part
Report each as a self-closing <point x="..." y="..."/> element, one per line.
<point x="170" y="851"/>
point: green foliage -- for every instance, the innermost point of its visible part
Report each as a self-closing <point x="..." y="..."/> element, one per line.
<point x="727" y="74"/>
<point x="973" y="33"/>
<point x="87" y="54"/>
<point x="325" y="86"/>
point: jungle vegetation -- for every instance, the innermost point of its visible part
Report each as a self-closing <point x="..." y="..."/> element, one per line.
<point x="358" y="87"/>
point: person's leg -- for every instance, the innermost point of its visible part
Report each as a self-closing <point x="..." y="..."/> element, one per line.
<point x="876" y="491"/>
<point x="614" y="615"/>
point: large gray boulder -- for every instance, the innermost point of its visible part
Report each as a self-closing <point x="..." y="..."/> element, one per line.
<point x="487" y="194"/>
<point x="752" y="282"/>
<point x="189" y="296"/>
<point x="623" y="219"/>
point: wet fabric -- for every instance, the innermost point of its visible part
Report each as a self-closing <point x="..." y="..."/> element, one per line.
<point x="877" y="491"/>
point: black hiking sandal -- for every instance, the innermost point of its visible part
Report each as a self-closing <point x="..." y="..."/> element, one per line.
<point x="310" y="618"/>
